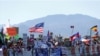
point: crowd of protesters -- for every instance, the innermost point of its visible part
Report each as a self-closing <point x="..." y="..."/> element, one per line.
<point x="39" y="47"/>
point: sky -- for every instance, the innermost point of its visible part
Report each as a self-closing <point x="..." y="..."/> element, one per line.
<point x="17" y="11"/>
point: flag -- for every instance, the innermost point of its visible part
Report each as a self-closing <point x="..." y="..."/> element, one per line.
<point x="75" y="36"/>
<point x="71" y="26"/>
<point x="38" y="28"/>
<point x="1" y="32"/>
<point x="2" y="36"/>
<point x="94" y="28"/>
<point x="16" y="37"/>
<point x="7" y="36"/>
<point x="85" y="40"/>
<point x="1" y="40"/>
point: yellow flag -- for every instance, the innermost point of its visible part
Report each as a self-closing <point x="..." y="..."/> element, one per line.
<point x="94" y="28"/>
<point x="7" y="36"/>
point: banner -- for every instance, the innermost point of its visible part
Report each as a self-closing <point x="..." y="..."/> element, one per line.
<point x="12" y="31"/>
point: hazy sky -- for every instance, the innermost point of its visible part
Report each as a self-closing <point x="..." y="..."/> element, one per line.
<point x="22" y="10"/>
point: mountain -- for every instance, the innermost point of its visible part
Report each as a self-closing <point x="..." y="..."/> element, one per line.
<point x="60" y="24"/>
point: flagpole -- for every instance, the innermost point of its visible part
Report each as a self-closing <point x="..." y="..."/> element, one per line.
<point x="90" y="32"/>
<point x="91" y="36"/>
<point x="91" y="40"/>
<point x="72" y="30"/>
<point x="9" y="22"/>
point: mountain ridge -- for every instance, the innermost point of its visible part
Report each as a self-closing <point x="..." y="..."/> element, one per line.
<point x="57" y="15"/>
<point x="60" y="24"/>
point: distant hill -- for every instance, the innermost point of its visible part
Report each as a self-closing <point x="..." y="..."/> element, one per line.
<point x="60" y="24"/>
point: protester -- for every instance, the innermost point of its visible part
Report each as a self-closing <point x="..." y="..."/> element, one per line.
<point x="81" y="48"/>
<point x="5" y="52"/>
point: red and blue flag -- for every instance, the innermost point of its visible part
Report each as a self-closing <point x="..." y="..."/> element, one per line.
<point x="38" y="28"/>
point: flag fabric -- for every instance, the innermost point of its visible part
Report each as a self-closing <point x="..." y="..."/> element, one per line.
<point x="7" y="36"/>
<point x="16" y="37"/>
<point x="1" y="32"/>
<point x="38" y="28"/>
<point x="2" y="36"/>
<point x="71" y="26"/>
<point x="1" y="40"/>
<point x="75" y="39"/>
<point x="87" y="41"/>
<point x="94" y="28"/>
<point x="75" y="36"/>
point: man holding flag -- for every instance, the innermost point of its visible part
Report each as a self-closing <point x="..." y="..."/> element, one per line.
<point x="93" y="29"/>
<point x="38" y="28"/>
